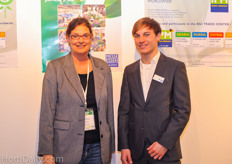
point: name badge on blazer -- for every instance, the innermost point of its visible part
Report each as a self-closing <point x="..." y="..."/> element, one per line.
<point x="158" y="78"/>
<point x="89" y="119"/>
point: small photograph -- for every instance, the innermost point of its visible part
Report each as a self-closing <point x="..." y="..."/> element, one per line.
<point x="63" y="44"/>
<point x="99" y="41"/>
<point x="66" y="13"/>
<point x="95" y="14"/>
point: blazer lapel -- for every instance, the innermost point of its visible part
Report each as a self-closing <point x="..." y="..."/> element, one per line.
<point x="158" y="71"/>
<point x="72" y="76"/>
<point x="138" y="82"/>
<point x="99" y="77"/>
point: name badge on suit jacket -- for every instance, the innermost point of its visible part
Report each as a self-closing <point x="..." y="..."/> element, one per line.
<point x="89" y="119"/>
<point x="158" y="78"/>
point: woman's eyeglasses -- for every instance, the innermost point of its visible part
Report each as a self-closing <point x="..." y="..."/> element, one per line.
<point x="77" y="37"/>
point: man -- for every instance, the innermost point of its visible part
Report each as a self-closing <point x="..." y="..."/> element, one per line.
<point x="155" y="102"/>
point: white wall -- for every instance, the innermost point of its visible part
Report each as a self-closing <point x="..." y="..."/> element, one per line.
<point x="206" y="140"/>
<point x="20" y="88"/>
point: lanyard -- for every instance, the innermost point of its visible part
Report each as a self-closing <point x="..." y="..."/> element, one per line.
<point x="86" y="87"/>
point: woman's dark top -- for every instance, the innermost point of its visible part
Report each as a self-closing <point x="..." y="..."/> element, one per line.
<point x="91" y="136"/>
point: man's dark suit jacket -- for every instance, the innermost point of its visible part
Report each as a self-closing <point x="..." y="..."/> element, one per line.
<point x="162" y="117"/>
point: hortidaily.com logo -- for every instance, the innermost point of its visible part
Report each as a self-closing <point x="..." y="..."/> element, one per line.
<point x="219" y="5"/>
<point x="4" y="5"/>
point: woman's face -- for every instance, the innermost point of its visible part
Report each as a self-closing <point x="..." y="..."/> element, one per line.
<point x="80" y="40"/>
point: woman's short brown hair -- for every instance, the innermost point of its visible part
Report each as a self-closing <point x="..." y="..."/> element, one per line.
<point x="78" y="21"/>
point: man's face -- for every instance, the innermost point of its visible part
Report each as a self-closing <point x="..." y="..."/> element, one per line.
<point x="146" y="41"/>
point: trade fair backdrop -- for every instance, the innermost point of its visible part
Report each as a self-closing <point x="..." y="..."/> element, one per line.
<point x="105" y="19"/>
<point x="197" y="32"/>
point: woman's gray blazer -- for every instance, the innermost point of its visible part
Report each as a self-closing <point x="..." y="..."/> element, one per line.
<point x="61" y="131"/>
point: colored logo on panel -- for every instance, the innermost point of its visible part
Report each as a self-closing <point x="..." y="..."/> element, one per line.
<point x="5" y="5"/>
<point x="112" y="60"/>
<point x="2" y="34"/>
<point x="219" y="5"/>
<point x="228" y="34"/>
<point x="183" y="34"/>
<point x="199" y="34"/>
<point x="216" y="34"/>
<point x="166" y="38"/>
<point x="2" y="40"/>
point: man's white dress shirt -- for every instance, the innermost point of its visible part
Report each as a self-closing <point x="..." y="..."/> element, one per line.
<point x="147" y="71"/>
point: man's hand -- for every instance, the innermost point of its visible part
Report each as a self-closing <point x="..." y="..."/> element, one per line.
<point x="156" y="150"/>
<point x="48" y="159"/>
<point x="126" y="156"/>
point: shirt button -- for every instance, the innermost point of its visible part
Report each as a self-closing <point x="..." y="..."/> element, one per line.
<point x="102" y="136"/>
<point x="100" y="122"/>
<point x="142" y="128"/>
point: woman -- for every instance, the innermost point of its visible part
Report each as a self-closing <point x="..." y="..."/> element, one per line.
<point x="76" y="119"/>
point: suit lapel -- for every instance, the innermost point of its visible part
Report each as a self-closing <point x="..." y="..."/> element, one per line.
<point x="158" y="71"/>
<point x="99" y="75"/>
<point x="138" y="82"/>
<point x="72" y="76"/>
